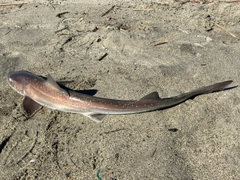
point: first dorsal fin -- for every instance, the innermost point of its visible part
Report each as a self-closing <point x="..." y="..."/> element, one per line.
<point x="154" y="95"/>
<point x="54" y="85"/>
<point x="64" y="83"/>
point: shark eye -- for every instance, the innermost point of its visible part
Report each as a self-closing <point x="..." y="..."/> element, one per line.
<point x="10" y="81"/>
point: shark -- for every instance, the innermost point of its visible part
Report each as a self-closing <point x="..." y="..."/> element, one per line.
<point x="39" y="91"/>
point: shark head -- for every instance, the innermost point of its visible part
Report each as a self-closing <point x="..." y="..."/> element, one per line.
<point x="18" y="80"/>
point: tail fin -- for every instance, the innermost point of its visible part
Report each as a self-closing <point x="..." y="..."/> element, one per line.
<point x="173" y="101"/>
<point x="207" y="89"/>
<point x="212" y="88"/>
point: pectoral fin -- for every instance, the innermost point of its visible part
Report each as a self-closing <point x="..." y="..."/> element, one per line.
<point x="96" y="116"/>
<point x="30" y="106"/>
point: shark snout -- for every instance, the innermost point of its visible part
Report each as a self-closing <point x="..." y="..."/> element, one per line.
<point x="17" y="80"/>
<point x="9" y="78"/>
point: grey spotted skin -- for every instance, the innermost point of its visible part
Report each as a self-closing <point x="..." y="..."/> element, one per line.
<point x="38" y="92"/>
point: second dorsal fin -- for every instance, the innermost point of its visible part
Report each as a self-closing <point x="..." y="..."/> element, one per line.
<point x="154" y="95"/>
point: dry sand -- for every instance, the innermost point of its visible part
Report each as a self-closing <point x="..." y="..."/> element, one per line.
<point x="198" y="139"/>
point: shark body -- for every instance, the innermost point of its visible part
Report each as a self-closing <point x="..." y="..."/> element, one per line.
<point x="38" y="92"/>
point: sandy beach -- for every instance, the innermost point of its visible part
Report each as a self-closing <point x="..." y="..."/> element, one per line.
<point x="124" y="50"/>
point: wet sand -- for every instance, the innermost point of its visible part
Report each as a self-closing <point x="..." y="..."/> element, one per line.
<point x="124" y="50"/>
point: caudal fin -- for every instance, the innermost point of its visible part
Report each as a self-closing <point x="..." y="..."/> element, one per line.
<point x="203" y="90"/>
<point x="207" y="89"/>
<point x="213" y="88"/>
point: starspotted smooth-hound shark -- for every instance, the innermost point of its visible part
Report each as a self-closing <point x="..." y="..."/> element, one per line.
<point x="38" y="92"/>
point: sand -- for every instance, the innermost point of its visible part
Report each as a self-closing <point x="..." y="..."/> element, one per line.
<point x="115" y="53"/>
